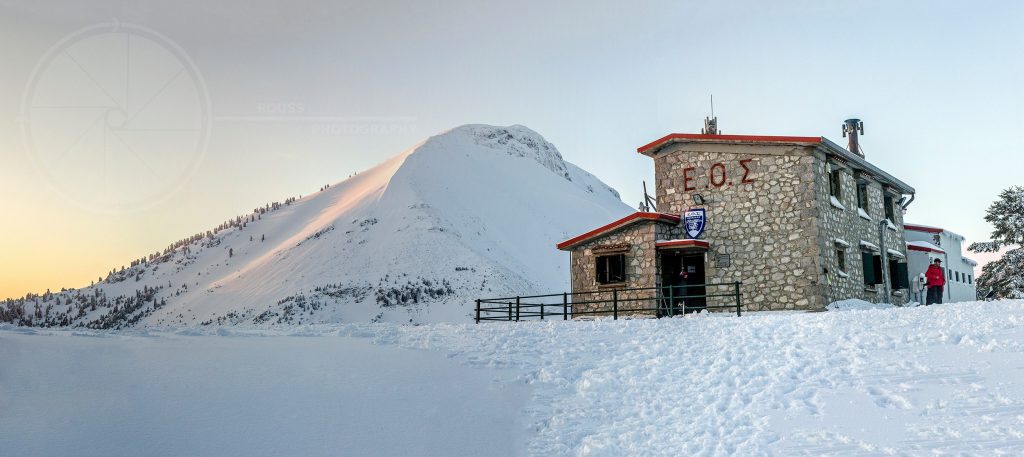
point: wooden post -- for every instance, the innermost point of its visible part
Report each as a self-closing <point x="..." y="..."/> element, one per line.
<point x="478" y="311"/>
<point x="542" y="310"/>
<point x="517" y="309"/>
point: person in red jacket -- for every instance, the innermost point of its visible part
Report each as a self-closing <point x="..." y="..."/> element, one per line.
<point x="935" y="280"/>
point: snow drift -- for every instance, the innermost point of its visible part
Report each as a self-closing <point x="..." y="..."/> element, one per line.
<point x="474" y="211"/>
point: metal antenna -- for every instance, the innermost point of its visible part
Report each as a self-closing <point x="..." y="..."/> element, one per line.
<point x="649" y="201"/>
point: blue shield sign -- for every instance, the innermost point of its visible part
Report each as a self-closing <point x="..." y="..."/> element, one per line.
<point x="694" y="221"/>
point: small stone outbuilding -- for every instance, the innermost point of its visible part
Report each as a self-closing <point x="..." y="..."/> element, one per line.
<point x="801" y="221"/>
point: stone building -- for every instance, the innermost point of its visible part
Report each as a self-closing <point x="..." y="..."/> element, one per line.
<point x="800" y="221"/>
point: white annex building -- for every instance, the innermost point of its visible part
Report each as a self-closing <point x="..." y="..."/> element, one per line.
<point x="925" y="244"/>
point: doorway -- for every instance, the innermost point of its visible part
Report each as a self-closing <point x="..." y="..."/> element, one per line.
<point x="682" y="273"/>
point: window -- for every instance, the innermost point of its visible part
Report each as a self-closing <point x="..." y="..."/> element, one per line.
<point x="957" y="276"/>
<point x="841" y="259"/>
<point x="835" y="186"/>
<point x="970" y="279"/>
<point x="862" y="195"/>
<point x="872" y="268"/>
<point x="899" y="276"/>
<point x="890" y="211"/>
<point x="611" y="269"/>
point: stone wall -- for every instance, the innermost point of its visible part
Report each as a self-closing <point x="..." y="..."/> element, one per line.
<point x="636" y="241"/>
<point x="847" y="224"/>
<point x="761" y="209"/>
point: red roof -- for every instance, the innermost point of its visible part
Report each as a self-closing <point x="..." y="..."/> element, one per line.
<point x="732" y="138"/>
<point x="682" y="244"/>
<point x="923" y="228"/>
<point x="635" y="217"/>
<point x="915" y="247"/>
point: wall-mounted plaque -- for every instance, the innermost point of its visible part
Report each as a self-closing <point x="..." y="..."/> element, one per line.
<point x="723" y="261"/>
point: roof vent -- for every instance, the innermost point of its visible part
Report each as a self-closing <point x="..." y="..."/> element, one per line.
<point x="850" y="130"/>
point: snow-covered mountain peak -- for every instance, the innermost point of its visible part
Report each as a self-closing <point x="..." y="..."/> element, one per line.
<point x="474" y="211"/>
<point x="515" y="140"/>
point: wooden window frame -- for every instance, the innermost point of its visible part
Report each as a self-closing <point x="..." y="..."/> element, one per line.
<point x="889" y="206"/>
<point x="835" y="183"/>
<point x="863" y="202"/>
<point x="605" y="268"/>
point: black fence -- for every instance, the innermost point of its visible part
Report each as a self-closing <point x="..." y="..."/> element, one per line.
<point x="657" y="301"/>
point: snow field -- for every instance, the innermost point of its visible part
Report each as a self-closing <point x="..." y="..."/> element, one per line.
<point x="938" y="380"/>
<point x="179" y="394"/>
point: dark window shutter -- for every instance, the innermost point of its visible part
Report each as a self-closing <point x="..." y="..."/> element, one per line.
<point x="876" y="261"/>
<point x="902" y="276"/>
<point x="602" y="270"/>
<point x="869" y="267"/>
<point x="862" y="195"/>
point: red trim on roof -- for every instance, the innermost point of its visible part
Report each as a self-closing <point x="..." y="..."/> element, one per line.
<point x="734" y="138"/>
<point x="914" y="247"/>
<point x="638" y="216"/>
<point x="683" y="244"/>
<point x="923" y="228"/>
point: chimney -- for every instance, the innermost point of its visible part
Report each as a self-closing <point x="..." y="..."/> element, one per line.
<point x="850" y="130"/>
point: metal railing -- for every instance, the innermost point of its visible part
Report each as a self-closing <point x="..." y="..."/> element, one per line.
<point x="664" y="301"/>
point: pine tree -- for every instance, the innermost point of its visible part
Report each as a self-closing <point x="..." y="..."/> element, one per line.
<point x="1004" y="278"/>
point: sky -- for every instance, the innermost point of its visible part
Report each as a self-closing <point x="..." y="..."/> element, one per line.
<point x="196" y="111"/>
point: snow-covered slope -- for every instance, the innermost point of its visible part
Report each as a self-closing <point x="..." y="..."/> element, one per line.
<point x="472" y="212"/>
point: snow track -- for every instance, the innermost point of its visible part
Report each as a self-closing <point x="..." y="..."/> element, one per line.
<point x="939" y="380"/>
